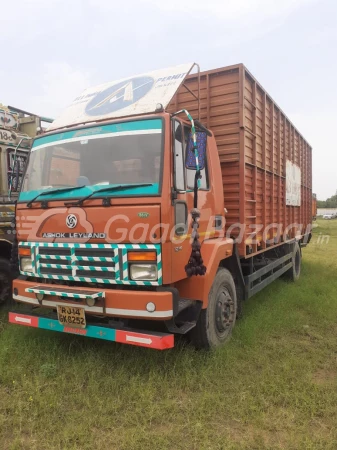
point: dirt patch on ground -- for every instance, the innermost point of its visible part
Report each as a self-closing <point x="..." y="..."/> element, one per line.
<point x="325" y="376"/>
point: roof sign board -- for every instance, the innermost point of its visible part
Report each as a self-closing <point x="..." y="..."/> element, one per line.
<point x="126" y="97"/>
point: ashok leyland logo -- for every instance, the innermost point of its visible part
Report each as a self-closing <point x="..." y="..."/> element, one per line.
<point x="119" y="96"/>
<point x="71" y="221"/>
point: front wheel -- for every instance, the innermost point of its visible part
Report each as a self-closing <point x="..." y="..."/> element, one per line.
<point x="216" y="322"/>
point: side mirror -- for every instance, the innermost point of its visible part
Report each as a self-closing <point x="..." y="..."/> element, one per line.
<point x="190" y="161"/>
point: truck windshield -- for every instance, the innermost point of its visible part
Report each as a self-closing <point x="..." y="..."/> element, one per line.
<point x="113" y="154"/>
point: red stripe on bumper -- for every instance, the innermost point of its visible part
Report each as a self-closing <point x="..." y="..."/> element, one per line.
<point x="22" y="319"/>
<point x="145" y="340"/>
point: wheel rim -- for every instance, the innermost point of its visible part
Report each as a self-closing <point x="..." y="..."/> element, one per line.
<point x="224" y="312"/>
<point x="4" y="288"/>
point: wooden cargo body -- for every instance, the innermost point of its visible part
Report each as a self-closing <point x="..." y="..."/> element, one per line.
<point x="255" y="140"/>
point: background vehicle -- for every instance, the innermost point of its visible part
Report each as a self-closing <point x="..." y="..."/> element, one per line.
<point x="17" y="128"/>
<point x="124" y="234"/>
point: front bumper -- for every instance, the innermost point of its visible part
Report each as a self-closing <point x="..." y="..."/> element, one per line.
<point x="158" y="341"/>
<point x="114" y="302"/>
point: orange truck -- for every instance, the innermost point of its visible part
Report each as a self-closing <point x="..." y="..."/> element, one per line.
<point x="156" y="205"/>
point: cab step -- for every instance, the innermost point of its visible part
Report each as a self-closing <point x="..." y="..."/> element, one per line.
<point x="159" y="341"/>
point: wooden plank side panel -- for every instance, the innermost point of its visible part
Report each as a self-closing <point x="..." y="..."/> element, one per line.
<point x="230" y="180"/>
<point x="248" y="119"/>
<point x="260" y="195"/>
<point x="283" y="144"/>
<point x="249" y="203"/>
<point x="276" y="140"/>
<point x="219" y="103"/>
<point x="300" y="151"/>
<point x="267" y="197"/>
<point x="282" y="199"/>
<point x="255" y="140"/>
<point x="268" y="141"/>
<point x="272" y="126"/>
<point x="259" y="103"/>
<point x="276" y="203"/>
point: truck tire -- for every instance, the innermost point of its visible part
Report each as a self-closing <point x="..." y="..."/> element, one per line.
<point x="5" y="281"/>
<point x="216" y="322"/>
<point x="294" y="273"/>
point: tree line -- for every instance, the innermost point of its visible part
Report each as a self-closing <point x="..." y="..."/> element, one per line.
<point x="330" y="202"/>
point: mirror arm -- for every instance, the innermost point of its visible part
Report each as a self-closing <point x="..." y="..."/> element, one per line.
<point x="203" y="128"/>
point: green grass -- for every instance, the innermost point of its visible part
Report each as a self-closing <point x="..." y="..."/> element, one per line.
<point x="274" y="386"/>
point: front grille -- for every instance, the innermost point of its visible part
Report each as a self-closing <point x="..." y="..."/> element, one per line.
<point x="47" y="260"/>
<point x="99" y="252"/>
<point x="54" y="271"/>
<point x="87" y="263"/>
<point x="97" y="263"/>
<point x="96" y="274"/>
<point x="54" y="251"/>
<point x="74" y="262"/>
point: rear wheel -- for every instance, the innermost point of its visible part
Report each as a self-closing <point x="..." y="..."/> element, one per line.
<point x="216" y="322"/>
<point x="5" y="281"/>
<point x="294" y="272"/>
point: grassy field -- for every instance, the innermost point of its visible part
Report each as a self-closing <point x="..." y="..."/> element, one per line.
<point x="274" y="386"/>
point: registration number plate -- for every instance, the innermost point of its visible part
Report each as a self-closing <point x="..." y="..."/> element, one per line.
<point x="71" y="316"/>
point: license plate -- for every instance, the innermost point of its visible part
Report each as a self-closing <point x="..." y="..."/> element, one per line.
<point x="71" y="316"/>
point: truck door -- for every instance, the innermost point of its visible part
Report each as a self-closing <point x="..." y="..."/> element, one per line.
<point x="182" y="202"/>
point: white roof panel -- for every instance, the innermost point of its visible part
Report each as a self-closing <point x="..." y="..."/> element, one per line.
<point x="126" y="97"/>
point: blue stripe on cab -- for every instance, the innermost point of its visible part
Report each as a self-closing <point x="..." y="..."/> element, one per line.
<point x="139" y="125"/>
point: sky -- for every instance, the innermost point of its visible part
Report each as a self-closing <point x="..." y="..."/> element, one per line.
<point x="52" y="50"/>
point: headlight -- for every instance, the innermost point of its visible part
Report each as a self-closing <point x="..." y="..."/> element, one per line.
<point x="26" y="265"/>
<point x="146" y="272"/>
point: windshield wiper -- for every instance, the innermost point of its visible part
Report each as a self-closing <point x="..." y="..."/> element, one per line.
<point x="53" y="191"/>
<point x="121" y="187"/>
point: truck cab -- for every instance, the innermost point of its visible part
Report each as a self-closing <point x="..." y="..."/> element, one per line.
<point x="103" y="215"/>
